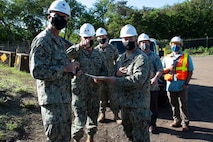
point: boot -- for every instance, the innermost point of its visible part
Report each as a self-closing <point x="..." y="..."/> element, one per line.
<point x="89" y="138"/>
<point x="117" y="118"/>
<point x="101" y="117"/>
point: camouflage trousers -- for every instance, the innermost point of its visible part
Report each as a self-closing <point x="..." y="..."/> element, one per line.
<point x="135" y="124"/>
<point x="85" y="109"/>
<point x="107" y="93"/>
<point x="57" y="122"/>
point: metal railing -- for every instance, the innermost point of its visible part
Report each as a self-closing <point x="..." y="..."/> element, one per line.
<point x="195" y="43"/>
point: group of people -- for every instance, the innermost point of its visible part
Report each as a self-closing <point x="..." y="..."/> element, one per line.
<point x="65" y="87"/>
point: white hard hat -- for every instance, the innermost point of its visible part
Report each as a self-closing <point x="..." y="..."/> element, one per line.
<point x="60" y="6"/>
<point x="87" y="30"/>
<point x="142" y="37"/>
<point x="176" y="39"/>
<point x="128" y="30"/>
<point x="100" y="32"/>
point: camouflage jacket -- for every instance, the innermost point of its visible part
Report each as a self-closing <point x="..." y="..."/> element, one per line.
<point x="91" y="63"/>
<point x="155" y="66"/>
<point x="134" y="87"/>
<point x="47" y="59"/>
<point x="111" y="54"/>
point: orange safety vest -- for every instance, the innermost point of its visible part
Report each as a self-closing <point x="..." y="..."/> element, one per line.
<point x="181" y="69"/>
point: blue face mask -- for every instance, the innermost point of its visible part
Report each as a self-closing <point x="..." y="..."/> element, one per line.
<point x="175" y="48"/>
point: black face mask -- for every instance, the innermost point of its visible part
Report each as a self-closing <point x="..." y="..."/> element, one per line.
<point x="58" y="22"/>
<point x="91" y="42"/>
<point x="102" y="41"/>
<point x="129" y="45"/>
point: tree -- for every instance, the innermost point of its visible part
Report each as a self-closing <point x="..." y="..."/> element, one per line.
<point x="98" y="11"/>
<point x="117" y="16"/>
<point x="77" y="11"/>
<point x="24" y="19"/>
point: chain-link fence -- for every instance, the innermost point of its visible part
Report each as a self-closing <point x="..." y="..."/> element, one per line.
<point x="16" y="46"/>
<point x="24" y="46"/>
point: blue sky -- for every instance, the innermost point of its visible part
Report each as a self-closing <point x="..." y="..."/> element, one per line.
<point x="138" y="3"/>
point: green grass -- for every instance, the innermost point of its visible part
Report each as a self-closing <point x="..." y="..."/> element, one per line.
<point x="16" y="81"/>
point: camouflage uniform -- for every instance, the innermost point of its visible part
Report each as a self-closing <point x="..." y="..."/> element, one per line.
<point x="155" y="66"/>
<point x="85" y="99"/>
<point x="47" y="59"/>
<point x="134" y="96"/>
<point x="108" y="90"/>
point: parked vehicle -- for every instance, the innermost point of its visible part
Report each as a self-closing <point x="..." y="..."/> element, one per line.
<point x="117" y="42"/>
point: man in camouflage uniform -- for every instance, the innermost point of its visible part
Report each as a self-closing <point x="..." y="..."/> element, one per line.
<point x="156" y="71"/>
<point x="85" y="99"/>
<point x="107" y="90"/>
<point x="50" y="66"/>
<point x="133" y="83"/>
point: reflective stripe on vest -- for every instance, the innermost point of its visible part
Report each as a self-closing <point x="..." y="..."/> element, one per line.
<point x="181" y="70"/>
<point x="182" y="67"/>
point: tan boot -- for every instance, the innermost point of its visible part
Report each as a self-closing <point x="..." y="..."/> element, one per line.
<point x="117" y="118"/>
<point x="89" y="138"/>
<point x="101" y="117"/>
